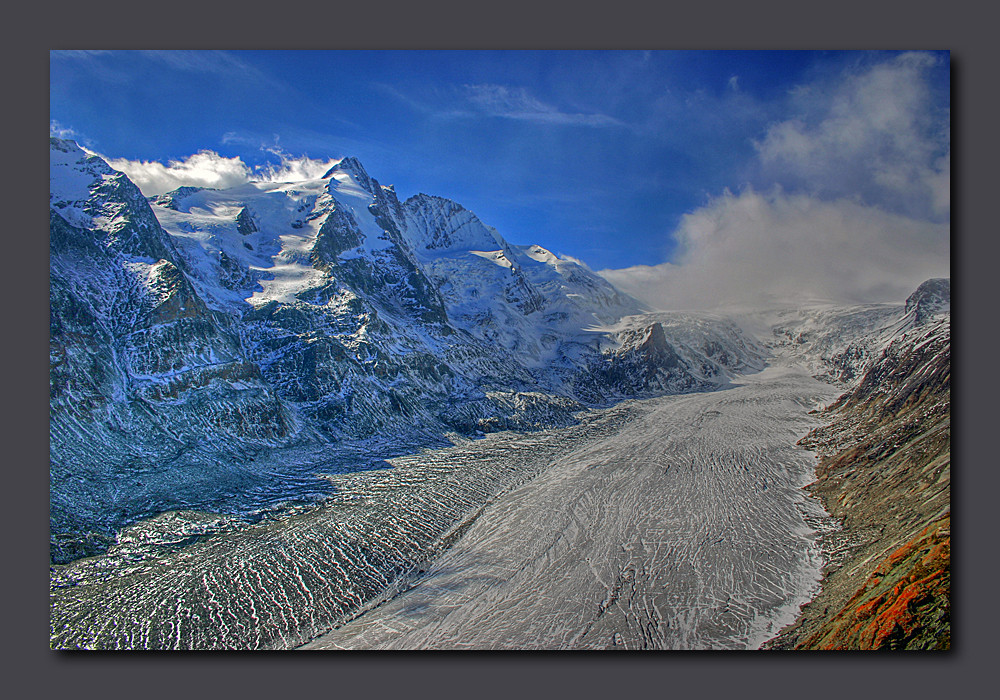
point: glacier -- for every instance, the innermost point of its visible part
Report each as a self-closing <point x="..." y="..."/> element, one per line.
<point x="307" y="414"/>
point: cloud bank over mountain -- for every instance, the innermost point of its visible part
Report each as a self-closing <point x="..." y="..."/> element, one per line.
<point x="852" y="205"/>
<point x="875" y="134"/>
<point x="209" y="169"/>
<point x="751" y="248"/>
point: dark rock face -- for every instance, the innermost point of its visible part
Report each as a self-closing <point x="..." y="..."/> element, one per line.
<point x="132" y="228"/>
<point x="234" y="275"/>
<point x="646" y="356"/>
<point x="338" y="234"/>
<point x="245" y="223"/>
<point x="885" y="472"/>
<point x="673" y="355"/>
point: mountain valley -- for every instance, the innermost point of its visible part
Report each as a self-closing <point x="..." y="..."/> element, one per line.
<point x="307" y="413"/>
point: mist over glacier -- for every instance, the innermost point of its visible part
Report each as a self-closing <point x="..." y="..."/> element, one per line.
<point x="757" y="249"/>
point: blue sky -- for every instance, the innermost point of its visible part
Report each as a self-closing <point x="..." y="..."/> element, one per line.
<point x="609" y="157"/>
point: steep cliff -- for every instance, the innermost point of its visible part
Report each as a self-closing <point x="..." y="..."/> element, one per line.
<point x="885" y="473"/>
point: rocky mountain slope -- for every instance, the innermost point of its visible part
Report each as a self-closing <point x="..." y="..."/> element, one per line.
<point x="216" y="349"/>
<point x="885" y="473"/>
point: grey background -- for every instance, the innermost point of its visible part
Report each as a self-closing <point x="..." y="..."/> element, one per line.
<point x="966" y="27"/>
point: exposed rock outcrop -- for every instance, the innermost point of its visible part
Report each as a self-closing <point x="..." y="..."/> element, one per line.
<point x="885" y="473"/>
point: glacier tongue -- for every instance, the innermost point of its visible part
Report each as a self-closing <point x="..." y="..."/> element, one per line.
<point x="684" y="528"/>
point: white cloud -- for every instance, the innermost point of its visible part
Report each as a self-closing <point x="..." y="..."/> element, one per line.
<point x="292" y="168"/>
<point x="517" y="103"/>
<point x="203" y="169"/>
<point x="209" y="169"/>
<point x="61" y="132"/>
<point x="858" y="210"/>
<point x="756" y="248"/>
<point x="873" y="133"/>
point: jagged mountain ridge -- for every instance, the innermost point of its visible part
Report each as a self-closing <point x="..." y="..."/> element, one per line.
<point x="840" y="343"/>
<point x="210" y="348"/>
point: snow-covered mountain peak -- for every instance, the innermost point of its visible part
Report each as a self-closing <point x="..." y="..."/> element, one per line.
<point x="175" y="199"/>
<point x="87" y="193"/>
<point x="539" y="254"/>
<point x="348" y="172"/>
<point x="73" y="173"/>
<point x="66" y="153"/>
<point x="438" y="224"/>
<point x="930" y="298"/>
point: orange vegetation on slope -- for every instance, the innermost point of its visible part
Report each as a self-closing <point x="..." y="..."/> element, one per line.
<point x="885" y="474"/>
<point x="903" y="603"/>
